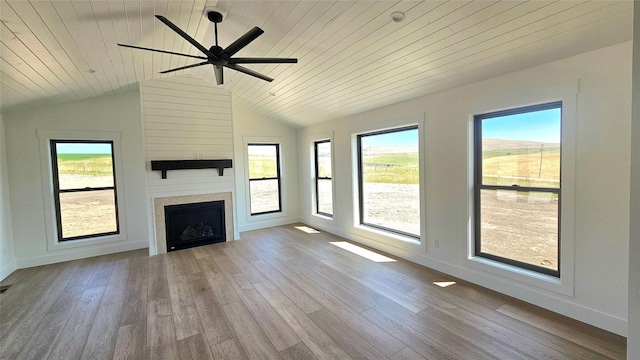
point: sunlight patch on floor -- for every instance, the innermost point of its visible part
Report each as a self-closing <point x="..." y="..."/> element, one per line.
<point x="308" y="230"/>
<point x="368" y="254"/>
<point x="444" y="284"/>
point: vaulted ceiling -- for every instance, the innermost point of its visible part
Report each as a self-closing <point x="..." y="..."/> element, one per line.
<point x="352" y="56"/>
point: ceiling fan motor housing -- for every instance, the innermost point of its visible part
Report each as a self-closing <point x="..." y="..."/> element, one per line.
<point x="214" y="16"/>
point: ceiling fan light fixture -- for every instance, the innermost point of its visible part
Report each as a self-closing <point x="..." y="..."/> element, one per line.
<point x="398" y="16"/>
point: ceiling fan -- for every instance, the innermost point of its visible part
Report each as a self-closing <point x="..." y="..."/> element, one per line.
<point x="216" y="55"/>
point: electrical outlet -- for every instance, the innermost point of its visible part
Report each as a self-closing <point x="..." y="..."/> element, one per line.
<point x="436" y="243"/>
<point x="201" y="155"/>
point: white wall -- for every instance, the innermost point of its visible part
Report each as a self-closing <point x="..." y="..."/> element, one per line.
<point x="633" y="337"/>
<point x="114" y="113"/>
<point x="7" y="255"/>
<point x="183" y="118"/>
<point x="249" y="126"/>
<point x="597" y="292"/>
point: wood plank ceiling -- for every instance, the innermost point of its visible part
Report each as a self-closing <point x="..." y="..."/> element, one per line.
<point x="352" y="56"/>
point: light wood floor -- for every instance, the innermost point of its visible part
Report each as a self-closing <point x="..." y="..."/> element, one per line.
<point x="277" y="294"/>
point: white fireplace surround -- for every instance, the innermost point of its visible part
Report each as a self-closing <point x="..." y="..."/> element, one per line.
<point x="160" y="202"/>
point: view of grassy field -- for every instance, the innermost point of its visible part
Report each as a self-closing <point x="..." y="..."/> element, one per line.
<point x="87" y="212"/>
<point x="525" y="167"/>
<point x="391" y="168"/>
<point x="85" y="164"/>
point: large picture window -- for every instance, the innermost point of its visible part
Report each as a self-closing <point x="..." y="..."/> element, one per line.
<point x="517" y="187"/>
<point x="389" y="180"/>
<point x="324" y="182"/>
<point x="264" y="178"/>
<point x="84" y="184"/>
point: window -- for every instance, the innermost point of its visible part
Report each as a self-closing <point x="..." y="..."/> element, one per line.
<point x="264" y="178"/>
<point x="324" y="183"/>
<point x="517" y="187"/>
<point x="389" y="180"/>
<point x="84" y="187"/>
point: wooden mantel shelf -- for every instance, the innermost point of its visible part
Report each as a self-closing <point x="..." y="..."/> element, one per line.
<point x="164" y="165"/>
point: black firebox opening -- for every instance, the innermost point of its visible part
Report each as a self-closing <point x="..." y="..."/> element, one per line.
<point x="196" y="224"/>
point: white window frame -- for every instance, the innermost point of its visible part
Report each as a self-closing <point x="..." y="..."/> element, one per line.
<point x="312" y="140"/>
<point x="387" y="238"/>
<point x="247" y="140"/>
<point x="45" y="137"/>
<point x="567" y="94"/>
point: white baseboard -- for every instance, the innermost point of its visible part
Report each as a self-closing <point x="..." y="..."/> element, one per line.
<point x="8" y="269"/>
<point x="57" y="257"/>
<point x="255" y="225"/>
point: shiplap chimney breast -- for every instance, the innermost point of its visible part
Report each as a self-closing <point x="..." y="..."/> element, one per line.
<point x="185" y="118"/>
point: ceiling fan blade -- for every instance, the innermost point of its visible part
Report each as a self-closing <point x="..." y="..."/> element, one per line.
<point x="162" y="51"/>
<point x="257" y="60"/>
<point x="243" y="69"/>
<point x="184" y="35"/>
<point x="243" y="41"/>
<point x="184" y="67"/>
<point x="217" y="69"/>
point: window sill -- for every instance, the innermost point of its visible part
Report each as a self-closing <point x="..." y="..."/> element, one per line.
<point x="61" y="245"/>
<point x="323" y="217"/>
<point x="547" y="282"/>
<point x="387" y="237"/>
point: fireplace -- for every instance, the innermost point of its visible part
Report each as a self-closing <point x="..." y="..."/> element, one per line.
<point x="195" y="224"/>
<point x="159" y="244"/>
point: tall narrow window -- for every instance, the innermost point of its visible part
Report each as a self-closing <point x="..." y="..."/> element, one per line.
<point x="84" y="189"/>
<point x="264" y="178"/>
<point x="324" y="183"/>
<point x="517" y="187"/>
<point x="389" y="179"/>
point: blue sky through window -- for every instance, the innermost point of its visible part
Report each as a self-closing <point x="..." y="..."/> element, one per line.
<point x="83" y="148"/>
<point x="539" y="126"/>
<point x="399" y="138"/>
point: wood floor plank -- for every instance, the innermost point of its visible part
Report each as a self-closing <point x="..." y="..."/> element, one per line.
<point x="104" y="332"/>
<point x="134" y="308"/>
<point x="44" y="337"/>
<point x="223" y="262"/>
<point x="76" y="330"/>
<point x="185" y="313"/>
<point x="353" y="299"/>
<point x="252" y="274"/>
<point x="102" y="273"/>
<point x="407" y="354"/>
<point x="254" y="342"/>
<point x="498" y="346"/>
<point x="17" y="306"/>
<point x="102" y="338"/>
<point x="189" y="264"/>
<point x="228" y="350"/>
<point x="161" y="334"/>
<point x="157" y="285"/>
<point x="299" y="351"/>
<point x="430" y="344"/>
<point x="299" y="297"/>
<point x="369" y="331"/>
<point x="22" y="328"/>
<point x="345" y="337"/>
<point x="214" y="322"/>
<point x="446" y="301"/>
<point x="562" y="330"/>
<point x="473" y="318"/>
<point x="221" y="288"/>
<point x="322" y="346"/>
<point x="131" y="342"/>
<point x="194" y="347"/>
